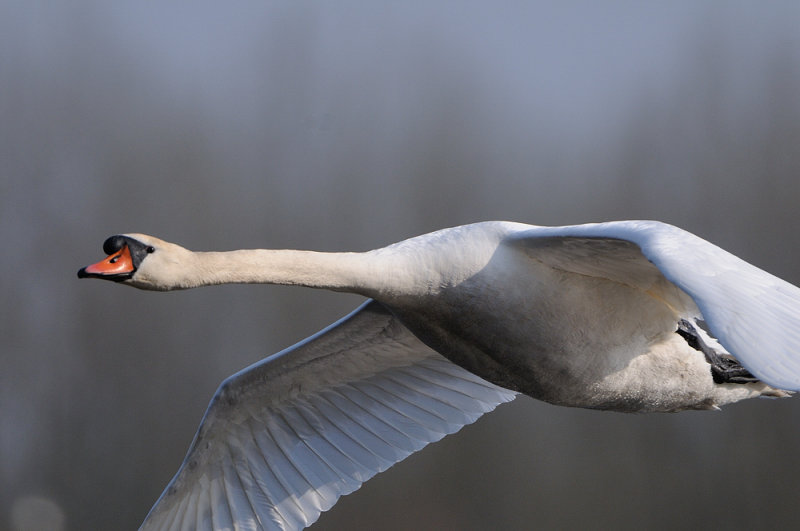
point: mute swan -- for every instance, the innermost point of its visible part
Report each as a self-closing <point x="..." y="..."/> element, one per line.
<point x="620" y="316"/>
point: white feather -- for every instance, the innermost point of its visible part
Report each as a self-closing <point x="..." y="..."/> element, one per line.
<point x="753" y="314"/>
<point x="289" y="459"/>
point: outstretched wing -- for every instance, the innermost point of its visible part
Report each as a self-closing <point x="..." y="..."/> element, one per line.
<point x="284" y="438"/>
<point x="753" y="314"/>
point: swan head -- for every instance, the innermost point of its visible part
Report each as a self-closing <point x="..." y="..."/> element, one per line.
<point x="143" y="262"/>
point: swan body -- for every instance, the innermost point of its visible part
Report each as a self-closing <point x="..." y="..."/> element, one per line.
<point x="632" y="316"/>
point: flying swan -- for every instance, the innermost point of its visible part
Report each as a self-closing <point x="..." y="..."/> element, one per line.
<point x="632" y="316"/>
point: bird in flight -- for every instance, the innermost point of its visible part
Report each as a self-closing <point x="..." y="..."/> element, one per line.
<point x="632" y="316"/>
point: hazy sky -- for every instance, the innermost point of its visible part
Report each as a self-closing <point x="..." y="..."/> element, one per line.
<point x="575" y="66"/>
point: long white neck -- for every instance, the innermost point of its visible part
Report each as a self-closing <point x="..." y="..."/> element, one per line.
<point x="416" y="267"/>
<point x="335" y="271"/>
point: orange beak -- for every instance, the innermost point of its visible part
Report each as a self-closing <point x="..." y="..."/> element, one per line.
<point x="117" y="266"/>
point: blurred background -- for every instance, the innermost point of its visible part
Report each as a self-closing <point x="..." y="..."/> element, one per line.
<point x="349" y="125"/>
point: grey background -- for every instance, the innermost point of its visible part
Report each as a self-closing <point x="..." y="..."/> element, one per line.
<point x="348" y="126"/>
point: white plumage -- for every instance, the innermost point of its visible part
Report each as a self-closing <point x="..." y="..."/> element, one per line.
<point x="584" y="316"/>
<point x="284" y="438"/>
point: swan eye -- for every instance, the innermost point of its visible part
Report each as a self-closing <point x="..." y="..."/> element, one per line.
<point x="151" y="249"/>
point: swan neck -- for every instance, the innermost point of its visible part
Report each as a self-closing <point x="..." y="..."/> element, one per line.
<point x="335" y="271"/>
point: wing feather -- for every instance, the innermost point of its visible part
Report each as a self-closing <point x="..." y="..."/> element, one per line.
<point x="283" y="439"/>
<point x="753" y="314"/>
